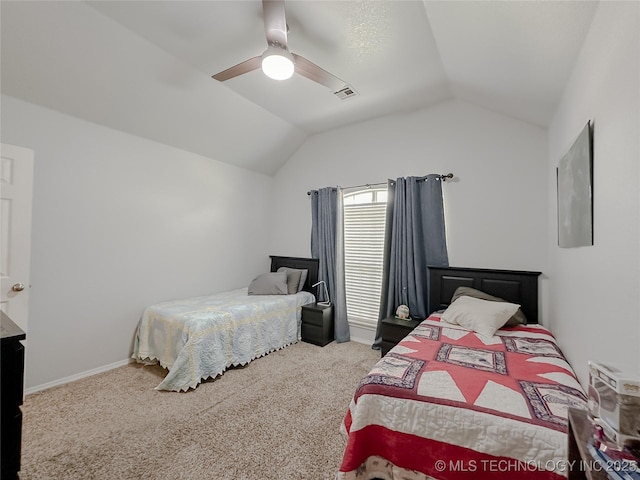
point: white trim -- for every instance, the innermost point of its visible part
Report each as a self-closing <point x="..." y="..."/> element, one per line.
<point x="77" y="376"/>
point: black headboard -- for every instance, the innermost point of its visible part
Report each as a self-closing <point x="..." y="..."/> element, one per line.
<point x="515" y="286"/>
<point x="310" y="264"/>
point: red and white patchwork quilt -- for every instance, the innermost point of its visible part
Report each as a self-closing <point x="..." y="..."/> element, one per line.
<point x="447" y="403"/>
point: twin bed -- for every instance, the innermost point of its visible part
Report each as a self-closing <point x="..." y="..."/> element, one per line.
<point x="199" y="338"/>
<point x="449" y="403"/>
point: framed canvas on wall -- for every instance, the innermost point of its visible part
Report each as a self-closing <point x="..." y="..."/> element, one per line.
<point x="575" y="192"/>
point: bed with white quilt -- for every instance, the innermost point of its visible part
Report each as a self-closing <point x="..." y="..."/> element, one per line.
<point x="449" y="402"/>
<point x="199" y="338"/>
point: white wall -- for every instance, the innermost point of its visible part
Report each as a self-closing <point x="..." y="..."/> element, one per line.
<point x="120" y="222"/>
<point x="594" y="305"/>
<point x="495" y="208"/>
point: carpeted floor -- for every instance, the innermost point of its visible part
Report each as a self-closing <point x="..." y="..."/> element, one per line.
<point x="276" y="418"/>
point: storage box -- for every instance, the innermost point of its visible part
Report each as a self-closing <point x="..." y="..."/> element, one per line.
<point x="614" y="398"/>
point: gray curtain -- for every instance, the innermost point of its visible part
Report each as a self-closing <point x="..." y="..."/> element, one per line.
<point x="414" y="238"/>
<point x="327" y="247"/>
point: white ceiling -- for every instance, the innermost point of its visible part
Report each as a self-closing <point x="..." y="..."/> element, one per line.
<point x="145" y="67"/>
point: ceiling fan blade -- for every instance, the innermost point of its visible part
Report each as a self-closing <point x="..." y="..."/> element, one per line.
<point x="275" y="22"/>
<point x="319" y="75"/>
<point x="239" y="69"/>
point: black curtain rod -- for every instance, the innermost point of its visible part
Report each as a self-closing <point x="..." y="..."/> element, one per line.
<point x="443" y="176"/>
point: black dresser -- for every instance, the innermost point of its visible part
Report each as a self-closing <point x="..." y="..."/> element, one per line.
<point x="12" y="391"/>
<point x="317" y="324"/>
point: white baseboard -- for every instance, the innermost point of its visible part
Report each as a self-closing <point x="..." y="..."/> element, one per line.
<point x="357" y="334"/>
<point x="77" y="376"/>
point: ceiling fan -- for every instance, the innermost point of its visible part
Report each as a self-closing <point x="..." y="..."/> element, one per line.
<point x="277" y="61"/>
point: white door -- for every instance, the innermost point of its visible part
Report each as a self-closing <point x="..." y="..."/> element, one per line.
<point x="16" y="191"/>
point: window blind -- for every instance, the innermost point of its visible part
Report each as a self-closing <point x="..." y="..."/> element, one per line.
<point x="364" y="226"/>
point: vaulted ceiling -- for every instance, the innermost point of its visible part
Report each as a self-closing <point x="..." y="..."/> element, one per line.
<point x="145" y="67"/>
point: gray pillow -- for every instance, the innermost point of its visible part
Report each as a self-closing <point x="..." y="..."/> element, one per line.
<point x="518" y="318"/>
<point x="303" y="276"/>
<point x="293" y="278"/>
<point x="272" y="283"/>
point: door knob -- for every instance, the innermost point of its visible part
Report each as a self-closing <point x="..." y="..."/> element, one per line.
<point x="17" y="287"/>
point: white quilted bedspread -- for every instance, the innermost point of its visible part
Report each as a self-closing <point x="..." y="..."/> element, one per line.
<point x="199" y="338"/>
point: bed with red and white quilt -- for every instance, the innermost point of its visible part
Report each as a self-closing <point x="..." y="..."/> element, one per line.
<point x="448" y="403"/>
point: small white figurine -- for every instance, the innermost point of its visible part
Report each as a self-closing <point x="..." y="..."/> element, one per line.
<point x="402" y="312"/>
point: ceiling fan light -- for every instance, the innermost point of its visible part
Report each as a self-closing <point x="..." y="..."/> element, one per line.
<point x="277" y="63"/>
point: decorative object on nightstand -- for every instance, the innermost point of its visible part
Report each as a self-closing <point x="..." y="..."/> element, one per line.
<point x="614" y="401"/>
<point x="317" y="323"/>
<point x="402" y="312"/>
<point x="393" y="330"/>
<point x="614" y="408"/>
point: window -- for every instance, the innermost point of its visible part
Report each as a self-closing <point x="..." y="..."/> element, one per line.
<point x="364" y="226"/>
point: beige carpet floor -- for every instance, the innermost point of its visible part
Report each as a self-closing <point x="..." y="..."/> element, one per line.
<point x="275" y="418"/>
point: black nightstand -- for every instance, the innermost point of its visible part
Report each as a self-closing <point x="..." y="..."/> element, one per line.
<point x="580" y="431"/>
<point x="393" y="330"/>
<point x="317" y="324"/>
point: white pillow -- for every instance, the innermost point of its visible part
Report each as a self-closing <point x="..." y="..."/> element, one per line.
<point x="481" y="316"/>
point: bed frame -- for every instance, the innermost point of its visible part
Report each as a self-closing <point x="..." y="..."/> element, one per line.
<point x="310" y="264"/>
<point x="515" y="286"/>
